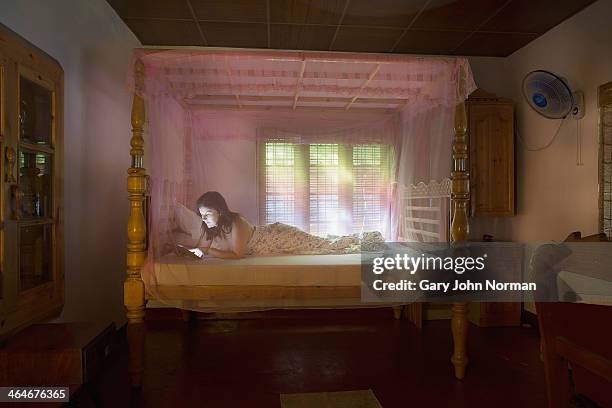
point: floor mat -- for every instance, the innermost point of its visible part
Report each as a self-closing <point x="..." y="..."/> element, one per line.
<point x="343" y="399"/>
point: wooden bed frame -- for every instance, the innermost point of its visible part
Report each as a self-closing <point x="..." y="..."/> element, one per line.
<point x="426" y="211"/>
<point x="137" y="180"/>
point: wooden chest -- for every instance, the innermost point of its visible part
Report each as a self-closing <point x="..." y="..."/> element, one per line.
<point x="58" y="354"/>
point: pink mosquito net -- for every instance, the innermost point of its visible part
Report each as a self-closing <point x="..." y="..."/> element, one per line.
<point x="211" y="115"/>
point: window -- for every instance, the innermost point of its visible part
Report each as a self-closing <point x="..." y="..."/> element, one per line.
<point x="369" y="186"/>
<point x="280" y="183"/>
<point x="324" y="188"/>
<point x="605" y="159"/>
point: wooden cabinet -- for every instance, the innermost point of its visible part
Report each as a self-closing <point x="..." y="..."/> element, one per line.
<point x="491" y="140"/>
<point x="57" y="354"/>
<point x="31" y="229"/>
<point x="505" y="263"/>
<point x="495" y="314"/>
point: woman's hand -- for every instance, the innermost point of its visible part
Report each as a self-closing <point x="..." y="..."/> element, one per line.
<point x="200" y="252"/>
<point x="197" y="252"/>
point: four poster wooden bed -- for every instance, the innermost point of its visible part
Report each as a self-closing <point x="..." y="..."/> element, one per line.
<point x="135" y="295"/>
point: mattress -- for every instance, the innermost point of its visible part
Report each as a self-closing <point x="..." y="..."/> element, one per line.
<point x="287" y="270"/>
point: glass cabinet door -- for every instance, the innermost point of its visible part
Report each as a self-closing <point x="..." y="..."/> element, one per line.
<point x="35" y="182"/>
<point x="31" y="233"/>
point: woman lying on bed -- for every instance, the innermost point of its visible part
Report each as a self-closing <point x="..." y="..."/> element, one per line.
<point x="228" y="235"/>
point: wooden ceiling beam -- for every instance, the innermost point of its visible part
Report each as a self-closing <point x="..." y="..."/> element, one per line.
<point x="231" y="85"/>
<point x="199" y="73"/>
<point x="307" y="99"/>
<point x="372" y="75"/>
<point x="268" y="22"/>
<point x="298" y="84"/>
<point x="265" y="108"/>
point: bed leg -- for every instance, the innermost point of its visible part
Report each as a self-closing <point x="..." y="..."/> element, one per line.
<point x="460" y="196"/>
<point x="459" y="326"/>
<point x="136" y="337"/>
<point x="397" y="312"/>
<point x="414" y="313"/>
<point x="135" y="305"/>
<point x="133" y="286"/>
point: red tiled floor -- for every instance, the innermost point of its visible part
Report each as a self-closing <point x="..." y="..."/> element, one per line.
<point x="249" y="363"/>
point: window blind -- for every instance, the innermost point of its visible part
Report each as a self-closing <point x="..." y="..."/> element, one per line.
<point x="370" y="181"/>
<point x="280" y="188"/>
<point x="324" y="189"/>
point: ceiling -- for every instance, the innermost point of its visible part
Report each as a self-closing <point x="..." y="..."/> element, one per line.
<point x="451" y="27"/>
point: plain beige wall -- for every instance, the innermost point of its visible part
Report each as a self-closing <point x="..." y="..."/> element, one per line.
<point x="490" y="74"/>
<point x="93" y="46"/>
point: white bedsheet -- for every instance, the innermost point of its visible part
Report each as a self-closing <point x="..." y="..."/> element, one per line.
<point x="589" y="290"/>
<point x="286" y="270"/>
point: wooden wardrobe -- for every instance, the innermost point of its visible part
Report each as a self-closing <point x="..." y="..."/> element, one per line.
<point x="491" y="139"/>
<point x="492" y="183"/>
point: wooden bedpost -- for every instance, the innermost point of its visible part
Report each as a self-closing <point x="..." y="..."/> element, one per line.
<point x="460" y="195"/>
<point x="133" y="287"/>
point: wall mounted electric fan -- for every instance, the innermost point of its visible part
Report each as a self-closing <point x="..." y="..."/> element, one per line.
<point x="550" y="96"/>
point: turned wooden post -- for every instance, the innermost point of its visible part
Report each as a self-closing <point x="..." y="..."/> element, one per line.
<point x="460" y="195"/>
<point x="133" y="287"/>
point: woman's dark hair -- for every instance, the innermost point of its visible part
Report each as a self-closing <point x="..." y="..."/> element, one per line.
<point x="214" y="200"/>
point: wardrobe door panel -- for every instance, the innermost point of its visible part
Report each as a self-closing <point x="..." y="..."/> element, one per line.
<point x="491" y="128"/>
<point x="35" y="256"/>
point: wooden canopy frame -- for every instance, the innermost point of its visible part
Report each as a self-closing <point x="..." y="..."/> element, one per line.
<point x="134" y="289"/>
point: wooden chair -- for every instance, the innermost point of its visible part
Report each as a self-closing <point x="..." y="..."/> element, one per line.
<point x="576" y="349"/>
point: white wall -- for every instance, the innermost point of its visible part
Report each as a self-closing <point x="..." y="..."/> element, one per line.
<point x="490" y="74"/>
<point x="236" y="161"/>
<point x="93" y="46"/>
<point x="555" y="196"/>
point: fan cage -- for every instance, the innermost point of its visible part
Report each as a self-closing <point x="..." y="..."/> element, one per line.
<point x="559" y="100"/>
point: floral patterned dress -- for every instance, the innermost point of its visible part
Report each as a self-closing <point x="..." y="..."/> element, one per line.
<point x="279" y="238"/>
